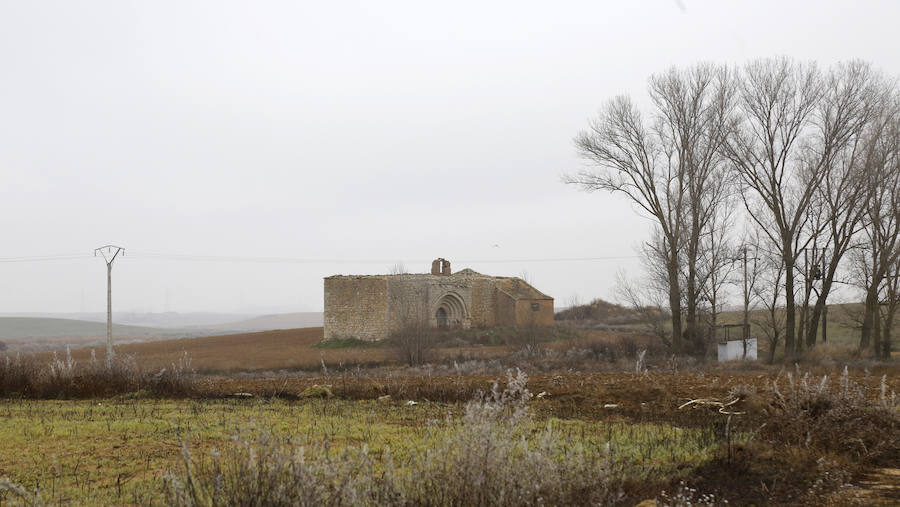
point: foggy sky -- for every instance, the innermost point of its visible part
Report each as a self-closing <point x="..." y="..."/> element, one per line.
<point x="393" y="131"/>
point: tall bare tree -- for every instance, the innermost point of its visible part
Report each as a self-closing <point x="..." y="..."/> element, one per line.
<point x="632" y="162"/>
<point x="889" y="313"/>
<point x="879" y="248"/>
<point x="848" y="119"/>
<point x="672" y="170"/>
<point x="716" y="263"/>
<point x="694" y="108"/>
<point x="768" y="148"/>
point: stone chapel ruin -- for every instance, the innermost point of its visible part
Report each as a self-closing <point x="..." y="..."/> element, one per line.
<point x="372" y="307"/>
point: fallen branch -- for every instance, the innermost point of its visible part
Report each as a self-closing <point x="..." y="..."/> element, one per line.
<point x="713" y="403"/>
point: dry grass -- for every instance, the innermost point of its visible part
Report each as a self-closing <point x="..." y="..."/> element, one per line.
<point x="491" y="456"/>
<point x="287" y="349"/>
<point x="267" y="350"/>
<point x="64" y="377"/>
<point x="298" y="350"/>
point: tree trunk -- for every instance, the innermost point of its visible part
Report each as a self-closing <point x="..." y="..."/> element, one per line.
<point x="869" y="318"/>
<point x="773" y="338"/>
<point x="813" y="325"/>
<point x="694" y="337"/>
<point x="675" y="305"/>
<point x="884" y="348"/>
<point x="790" y="307"/>
<point x="691" y="324"/>
<point x="772" y="346"/>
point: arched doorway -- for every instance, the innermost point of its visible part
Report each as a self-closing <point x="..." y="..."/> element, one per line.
<point x="441" y="317"/>
<point x="450" y="311"/>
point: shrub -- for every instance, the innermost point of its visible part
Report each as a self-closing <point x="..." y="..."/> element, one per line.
<point x="64" y="377"/>
<point x="414" y="341"/>
<point x="489" y="457"/>
<point x="316" y="391"/>
<point x="849" y="418"/>
<point x="178" y="380"/>
<point x="16" y="374"/>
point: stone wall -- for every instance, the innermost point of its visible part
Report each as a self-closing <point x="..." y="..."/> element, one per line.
<point x="506" y="310"/>
<point x="356" y="307"/>
<point x="407" y="298"/>
<point x="537" y="312"/>
<point x="484" y="303"/>
<point x="373" y="307"/>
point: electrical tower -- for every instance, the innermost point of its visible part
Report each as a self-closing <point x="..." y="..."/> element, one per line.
<point x="109" y="256"/>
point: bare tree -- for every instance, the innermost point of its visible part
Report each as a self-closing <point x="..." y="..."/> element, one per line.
<point x="715" y="264"/>
<point x="414" y="338"/>
<point x="767" y="148"/>
<point x="411" y="325"/>
<point x="672" y="170"/>
<point x="772" y="321"/>
<point x="750" y="275"/>
<point x="848" y="117"/>
<point x="694" y="110"/>
<point x="797" y="148"/>
<point x="889" y="311"/>
<point x="648" y="309"/>
<point x="878" y="251"/>
<point x="398" y="269"/>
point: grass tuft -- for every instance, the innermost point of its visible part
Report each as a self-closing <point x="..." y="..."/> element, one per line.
<point x="64" y="377"/>
<point x="488" y="457"/>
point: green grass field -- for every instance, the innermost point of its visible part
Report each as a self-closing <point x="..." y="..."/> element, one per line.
<point x="117" y="451"/>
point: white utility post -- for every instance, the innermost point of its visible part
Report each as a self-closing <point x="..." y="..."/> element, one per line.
<point x="109" y="256"/>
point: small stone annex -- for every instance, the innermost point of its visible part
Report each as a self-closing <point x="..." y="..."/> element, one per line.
<point x="372" y="307"/>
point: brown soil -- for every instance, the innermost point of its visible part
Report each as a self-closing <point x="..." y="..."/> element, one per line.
<point x="284" y="349"/>
<point x="881" y="487"/>
<point x="267" y="350"/>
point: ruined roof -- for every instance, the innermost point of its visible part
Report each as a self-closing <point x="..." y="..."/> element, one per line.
<point x="462" y="272"/>
<point x="514" y="287"/>
<point x="517" y="288"/>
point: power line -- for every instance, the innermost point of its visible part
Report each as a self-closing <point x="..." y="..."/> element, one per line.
<point x="299" y="260"/>
<point x="43" y="258"/>
<point x="304" y="260"/>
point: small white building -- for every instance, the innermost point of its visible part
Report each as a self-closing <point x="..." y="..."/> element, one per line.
<point x="733" y="350"/>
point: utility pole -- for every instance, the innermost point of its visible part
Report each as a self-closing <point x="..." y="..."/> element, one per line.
<point x="824" y="303"/>
<point x="746" y="333"/>
<point x="109" y="256"/>
<point x="747" y="288"/>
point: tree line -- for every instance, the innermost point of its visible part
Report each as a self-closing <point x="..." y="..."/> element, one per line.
<point x="780" y="174"/>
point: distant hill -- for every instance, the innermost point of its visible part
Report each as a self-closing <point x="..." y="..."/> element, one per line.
<point x="28" y="334"/>
<point x="29" y="327"/>
<point x="146" y="319"/>
<point x="272" y="322"/>
<point x="600" y="311"/>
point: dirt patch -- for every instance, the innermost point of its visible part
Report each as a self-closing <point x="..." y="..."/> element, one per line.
<point x="880" y="487"/>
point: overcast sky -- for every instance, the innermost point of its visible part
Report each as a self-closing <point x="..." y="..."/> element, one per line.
<point x="390" y="131"/>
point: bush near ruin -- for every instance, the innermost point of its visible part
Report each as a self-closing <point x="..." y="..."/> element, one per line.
<point x="63" y="377"/>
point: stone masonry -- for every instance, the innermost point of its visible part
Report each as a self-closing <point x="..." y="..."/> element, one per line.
<point x="372" y="307"/>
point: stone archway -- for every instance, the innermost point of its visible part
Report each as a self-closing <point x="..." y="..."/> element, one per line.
<point x="450" y="311"/>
